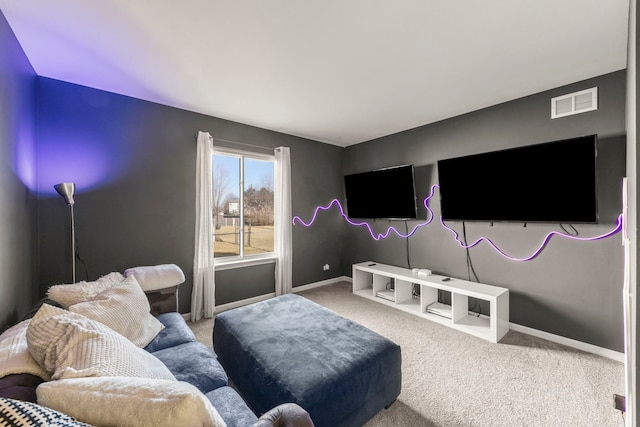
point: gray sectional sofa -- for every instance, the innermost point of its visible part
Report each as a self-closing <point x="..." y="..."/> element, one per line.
<point x="188" y="360"/>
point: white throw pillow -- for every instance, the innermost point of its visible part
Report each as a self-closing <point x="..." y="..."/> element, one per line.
<point x="125" y="309"/>
<point x="14" y="353"/>
<point x="67" y="295"/>
<point x="69" y="345"/>
<point x="154" y="277"/>
<point x="135" y="402"/>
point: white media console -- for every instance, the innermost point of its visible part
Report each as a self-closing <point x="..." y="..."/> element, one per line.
<point x="373" y="281"/>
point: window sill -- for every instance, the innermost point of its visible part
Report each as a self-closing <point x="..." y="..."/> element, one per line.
<point x="228" y="264"/>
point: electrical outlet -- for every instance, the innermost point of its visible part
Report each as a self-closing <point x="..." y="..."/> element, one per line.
<point x="619" y="402"/>
<point x="326" y="267"/>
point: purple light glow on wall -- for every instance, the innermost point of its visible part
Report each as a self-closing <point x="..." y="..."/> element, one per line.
<point x="86" y="163"/>
<point x="379" y="236"/>
<point x="25" y="157"/>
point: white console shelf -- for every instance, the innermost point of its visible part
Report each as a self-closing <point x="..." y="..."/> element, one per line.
<point x="369" y="278"/>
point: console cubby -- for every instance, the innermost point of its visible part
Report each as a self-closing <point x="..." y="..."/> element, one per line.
<point x="369" y="278"/>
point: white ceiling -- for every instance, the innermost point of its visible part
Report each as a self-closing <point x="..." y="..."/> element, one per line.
<point x="336" y="71"/>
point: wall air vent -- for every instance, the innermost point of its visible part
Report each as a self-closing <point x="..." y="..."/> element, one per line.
<point x="574" y="103"/>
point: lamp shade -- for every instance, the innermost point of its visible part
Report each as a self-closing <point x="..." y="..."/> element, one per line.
<point x="66" y="190"/>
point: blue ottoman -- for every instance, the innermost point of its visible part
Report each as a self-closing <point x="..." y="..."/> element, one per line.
<point x="290" y="349"/>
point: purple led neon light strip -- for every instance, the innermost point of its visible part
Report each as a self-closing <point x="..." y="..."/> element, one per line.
<point x="365" y="224"/>
<point x="379" y="236"/>
<point x="542" y="245"/>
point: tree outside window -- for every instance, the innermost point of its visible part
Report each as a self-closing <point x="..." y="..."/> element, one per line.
<point x="243" y="199"/>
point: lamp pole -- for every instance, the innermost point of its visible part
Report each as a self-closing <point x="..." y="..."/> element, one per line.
<point x="73" y="246"/>
<point x="66" y="190"/>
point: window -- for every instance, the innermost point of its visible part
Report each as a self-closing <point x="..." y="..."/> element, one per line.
<point x="243" y="203"/>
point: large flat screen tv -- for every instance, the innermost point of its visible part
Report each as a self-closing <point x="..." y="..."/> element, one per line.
<point x="381" y="194"/>
<point x="553" y="182"/>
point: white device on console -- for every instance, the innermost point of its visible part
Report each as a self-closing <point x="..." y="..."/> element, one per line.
<point x="440" y="309"/>
<point x="387" y="294"/>
<point x="424" y="272"/>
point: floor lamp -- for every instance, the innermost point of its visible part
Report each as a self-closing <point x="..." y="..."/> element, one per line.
<point x="66" y="190"/>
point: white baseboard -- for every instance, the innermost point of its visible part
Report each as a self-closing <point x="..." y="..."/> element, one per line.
<point x="224" y="307"/>
<point x="578" y="345"/>
<point x="321" y="283"/>
<point x="236" y="304"/>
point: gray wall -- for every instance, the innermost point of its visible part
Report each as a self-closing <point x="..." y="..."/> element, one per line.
<point x="134" y="165"/>
<point x="17" y="173"/>
<point x="572" y="289"/>
<point x="137" y="207"/>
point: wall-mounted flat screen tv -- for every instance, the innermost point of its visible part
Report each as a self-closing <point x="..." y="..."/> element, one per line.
<point x="381" y="194"/>
<point x="553" y="182"/>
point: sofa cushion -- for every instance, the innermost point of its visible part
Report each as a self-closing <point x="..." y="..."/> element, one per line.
<point x="194" y="363"/>
<point x="124" y="308"/>
<point x="69" y="345"/>
<point x="135" y="402"/>
<point x="175" y="332"/>
<point x="233" y="410"/>
<point x="18" y="413"/>
<point x="20" y="387"/>
<point x="285" y="415"/>
<point x="69" y="294"/>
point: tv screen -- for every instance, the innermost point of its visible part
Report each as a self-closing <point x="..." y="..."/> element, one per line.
<point x="381" y="194"/>
<point x="553" y="182"/>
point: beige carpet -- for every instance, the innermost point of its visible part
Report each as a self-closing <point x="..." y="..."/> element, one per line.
<point x="453" y="379"/>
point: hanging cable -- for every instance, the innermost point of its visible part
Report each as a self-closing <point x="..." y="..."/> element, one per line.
<point x="574" y="233"/>
<point x="470" y="269"/>
<point x="84" y="264"/>
<point x="406" y="227"/>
